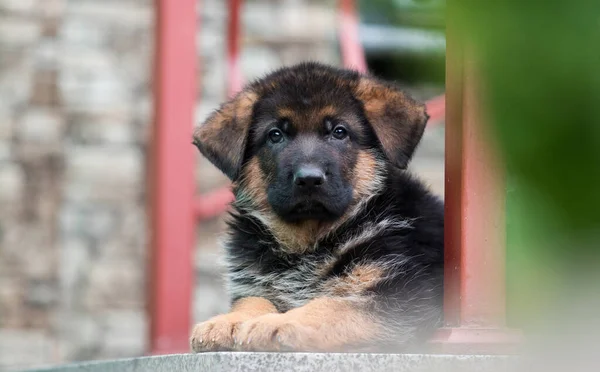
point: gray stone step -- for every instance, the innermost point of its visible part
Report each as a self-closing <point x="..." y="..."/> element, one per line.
<point x="280" y="362"/>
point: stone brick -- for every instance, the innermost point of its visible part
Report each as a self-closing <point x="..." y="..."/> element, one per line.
<point x="15" y="77"/>
<point x="11" y="299"/>
<point x="208" y="177"/>
<point x="25" y="349"/>
<point x="41" y="294"/>
<point x="114" y="285"/>
<point x="42" y="167"/>
<point x="130" y="240"/>
<point x="281" y="21"/>
<point x="210" y="295"/>
<point x="47" y="53"/>
<point x="5" y="151"/>
<point x="18" y="32"/>
<point x="12" y="181"/>
<point x="125" y="333"/>
<point x="45" y="57"/>
<point x="127" y="13"/>
<point x="52" y="8"/>
<point x="114" y="128"/>
<point x="90" y="81"/>
<point x="6" y="133"/>
<point x="80" y="335"/>
<point x="38" y="125"/>
<point x="142" y="119"/>
<point x="75" y="261"/>
<point x="17" y="6"/>
<point x="44" y="266"/>
<point x="103" y="173"/>
<point x="95" y="221"/>
<point x="257" y="61"/>
<point x="77" y="31"/>
<point x="44" y="91"/>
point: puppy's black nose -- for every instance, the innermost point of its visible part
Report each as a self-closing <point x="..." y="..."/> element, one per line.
<point x="309" y="177"/>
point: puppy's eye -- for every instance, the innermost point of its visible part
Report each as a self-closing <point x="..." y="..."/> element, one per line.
<point x="275" y="136"/>
<point x="339" y="132"/>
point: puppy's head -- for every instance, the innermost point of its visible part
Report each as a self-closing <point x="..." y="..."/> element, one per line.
<point x="308" y="142"/>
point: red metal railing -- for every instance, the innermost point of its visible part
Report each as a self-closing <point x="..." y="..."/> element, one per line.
<point x="234" y="35"/>
<point x="171" y="176"/>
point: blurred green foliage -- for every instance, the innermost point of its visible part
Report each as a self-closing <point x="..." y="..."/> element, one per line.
<point x="415" y="15"/>
<point x="540" y="68"/>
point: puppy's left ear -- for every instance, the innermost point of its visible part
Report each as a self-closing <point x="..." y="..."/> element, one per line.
<point x="397" y="119"/>
<point x="222" y="137"/>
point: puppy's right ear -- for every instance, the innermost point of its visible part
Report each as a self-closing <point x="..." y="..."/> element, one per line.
<point x="397" y="119"/>
<point x="222" y="137"/>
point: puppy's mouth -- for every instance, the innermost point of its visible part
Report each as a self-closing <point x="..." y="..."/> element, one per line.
<point x="309" y="210"/>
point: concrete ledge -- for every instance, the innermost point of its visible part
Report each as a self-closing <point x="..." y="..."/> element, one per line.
<point x="281" y="362"/>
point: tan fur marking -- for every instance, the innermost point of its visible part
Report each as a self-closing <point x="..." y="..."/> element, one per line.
<point x="255" y="184"/>
<point x="218" y="333"/>
<point x="327" y="111"/>
<point x="357" y="282"/>
<point x="309" y="119"/>
<point x="223" y="135"/>
<point x="324" y="324"/>
<point x="298" y="237"/>
<point x="253" y="306"/>
<point x="374" y="105"/>
<point x="286" y="113"/>
<point x="366" y="174"/>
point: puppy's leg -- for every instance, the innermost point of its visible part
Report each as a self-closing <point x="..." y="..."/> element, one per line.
<point x="218" y="333"/>
<point x="324" y="324"/>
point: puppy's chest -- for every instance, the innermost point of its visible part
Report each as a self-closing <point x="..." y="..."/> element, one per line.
<point x="289" y="286"/>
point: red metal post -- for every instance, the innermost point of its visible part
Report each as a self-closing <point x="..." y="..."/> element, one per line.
<point x="234" y="34"/>
<point x="172" y="177"/>
<point x="353" y="54"/>
<point x="436" y="108"/>
<point x="474" y="296"/>
<point x="213" y="203"/>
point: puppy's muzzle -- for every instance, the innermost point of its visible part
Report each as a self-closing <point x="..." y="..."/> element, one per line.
<point x="309" y="178"/>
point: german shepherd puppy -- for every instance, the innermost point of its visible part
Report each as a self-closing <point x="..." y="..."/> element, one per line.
<point x="332" y="245"/>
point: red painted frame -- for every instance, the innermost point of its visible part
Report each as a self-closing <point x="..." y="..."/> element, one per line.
<point x="171" y="177"/>
<point x="475" y="238"/>
<point x="353" y="54"/>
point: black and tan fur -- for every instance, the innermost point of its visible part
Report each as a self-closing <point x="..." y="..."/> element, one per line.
<point x="332" y="245"/>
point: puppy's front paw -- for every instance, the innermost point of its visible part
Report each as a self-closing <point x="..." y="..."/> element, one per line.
<point x="274" y="332"/>
<point x="216" y="334"/>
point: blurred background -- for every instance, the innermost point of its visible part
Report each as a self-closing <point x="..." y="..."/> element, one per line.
<point x="75" y="115"/>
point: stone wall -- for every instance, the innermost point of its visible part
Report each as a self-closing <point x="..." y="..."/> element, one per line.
<point x="75" y="108"/>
